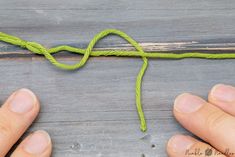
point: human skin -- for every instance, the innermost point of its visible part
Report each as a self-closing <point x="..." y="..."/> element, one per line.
<point x="16" y="115"/>
<point x="211" y="120"/>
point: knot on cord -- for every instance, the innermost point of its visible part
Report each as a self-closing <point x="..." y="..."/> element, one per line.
<point x="35" y="47"/>
<point x="39" y="49"/>
<point x="48" y="53"/>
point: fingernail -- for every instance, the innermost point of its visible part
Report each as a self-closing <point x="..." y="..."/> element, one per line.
<point x="22" y="101"/>
<point x="37" y="142"/>
<point x="180" y="143"/>
<point x="188" y="103"/>
<point x="223" y="93"/>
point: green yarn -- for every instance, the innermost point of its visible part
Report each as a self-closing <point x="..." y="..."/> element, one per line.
<point x="48" y="53"/>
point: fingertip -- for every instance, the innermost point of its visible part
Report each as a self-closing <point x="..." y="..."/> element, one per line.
<point x="188" y="103"/>
<point x="178" y="99"/>
<point x="23" y="101"/>
<point x="223" y="96"/>
<point x="179" y="144"/>
<point x="38" y="144"/>
<point x="34" y="96"/>
<point x="222" y="93"/>
<point x="31" y="94"/>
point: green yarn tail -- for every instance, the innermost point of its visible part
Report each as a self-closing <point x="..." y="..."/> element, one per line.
<point x="48" y="53"/>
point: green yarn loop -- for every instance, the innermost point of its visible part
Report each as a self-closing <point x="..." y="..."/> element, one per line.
<point x="48" y="53"/>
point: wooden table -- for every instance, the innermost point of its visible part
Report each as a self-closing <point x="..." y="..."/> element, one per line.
<point x="91" y="112"/>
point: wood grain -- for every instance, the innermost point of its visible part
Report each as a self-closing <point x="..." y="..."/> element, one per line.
<point x="91" y="112"/>
<point x="209" y="22"/>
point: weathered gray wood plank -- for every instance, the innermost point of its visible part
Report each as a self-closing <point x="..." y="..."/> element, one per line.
<point x="91" y="112"/>
<point x="200" y="23"/>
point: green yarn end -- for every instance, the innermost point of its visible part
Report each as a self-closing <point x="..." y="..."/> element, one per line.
<point x="48" y="53"/>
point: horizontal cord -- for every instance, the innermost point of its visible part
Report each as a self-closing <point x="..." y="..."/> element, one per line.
<point x="48" y="53"/>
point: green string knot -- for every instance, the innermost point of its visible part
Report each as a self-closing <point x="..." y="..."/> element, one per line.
<point x="23" y="43"/>
<point x="35" y="48"/>
<point x="48" y="53"/>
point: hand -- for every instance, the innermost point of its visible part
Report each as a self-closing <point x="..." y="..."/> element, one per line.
<point x="213" y="121"/>
<point x="16" y="115"/>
